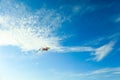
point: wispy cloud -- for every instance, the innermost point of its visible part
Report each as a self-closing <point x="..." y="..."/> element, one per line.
<point x="65" y="49"/>
<point x="99" y="53"/>
<point x="117" y="19"/>
<point x="80" y="9"/>
<point x="104" y="73"/>
<point x="28" y="30"/>
<point x="103" y="51"/>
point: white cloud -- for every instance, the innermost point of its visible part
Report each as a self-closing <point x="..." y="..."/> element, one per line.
<point x="117" y="72"/>
<point x="76" y="49"/>
<point x="118" y="49"/>
<point x="117" y="20"/>
<point x="103" y="51"/>
<point x="28" y="30"/>
<point x="76" y="9"/>
<point x="104" y="73"/>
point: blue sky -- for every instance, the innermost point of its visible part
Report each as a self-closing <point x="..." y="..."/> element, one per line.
<point x="83" y="36"/>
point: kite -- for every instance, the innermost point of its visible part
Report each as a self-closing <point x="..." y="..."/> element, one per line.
<point x="43" y="49"/>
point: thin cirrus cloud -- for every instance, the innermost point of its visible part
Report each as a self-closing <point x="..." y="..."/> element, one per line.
<point x="105" y="73"/>
<point x="117" y="19"/>
<point x="99" y="53"/>
<point x="32" y="30"/>
<point x="103" y="51"/>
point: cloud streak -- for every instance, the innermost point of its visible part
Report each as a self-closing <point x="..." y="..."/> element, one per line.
<point x="99" y="53"/>
<point x="117" y="19"/>
<point x="103" y="51"/>
<point x="104" y="73"/>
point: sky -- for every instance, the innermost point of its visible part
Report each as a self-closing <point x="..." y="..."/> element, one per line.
<point x="83" y="36"/>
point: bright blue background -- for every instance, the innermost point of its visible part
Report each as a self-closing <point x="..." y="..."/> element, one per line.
<point x="84" y="26"/>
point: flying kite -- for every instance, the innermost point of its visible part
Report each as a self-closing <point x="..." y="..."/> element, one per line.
<point x="43" y="49"/>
